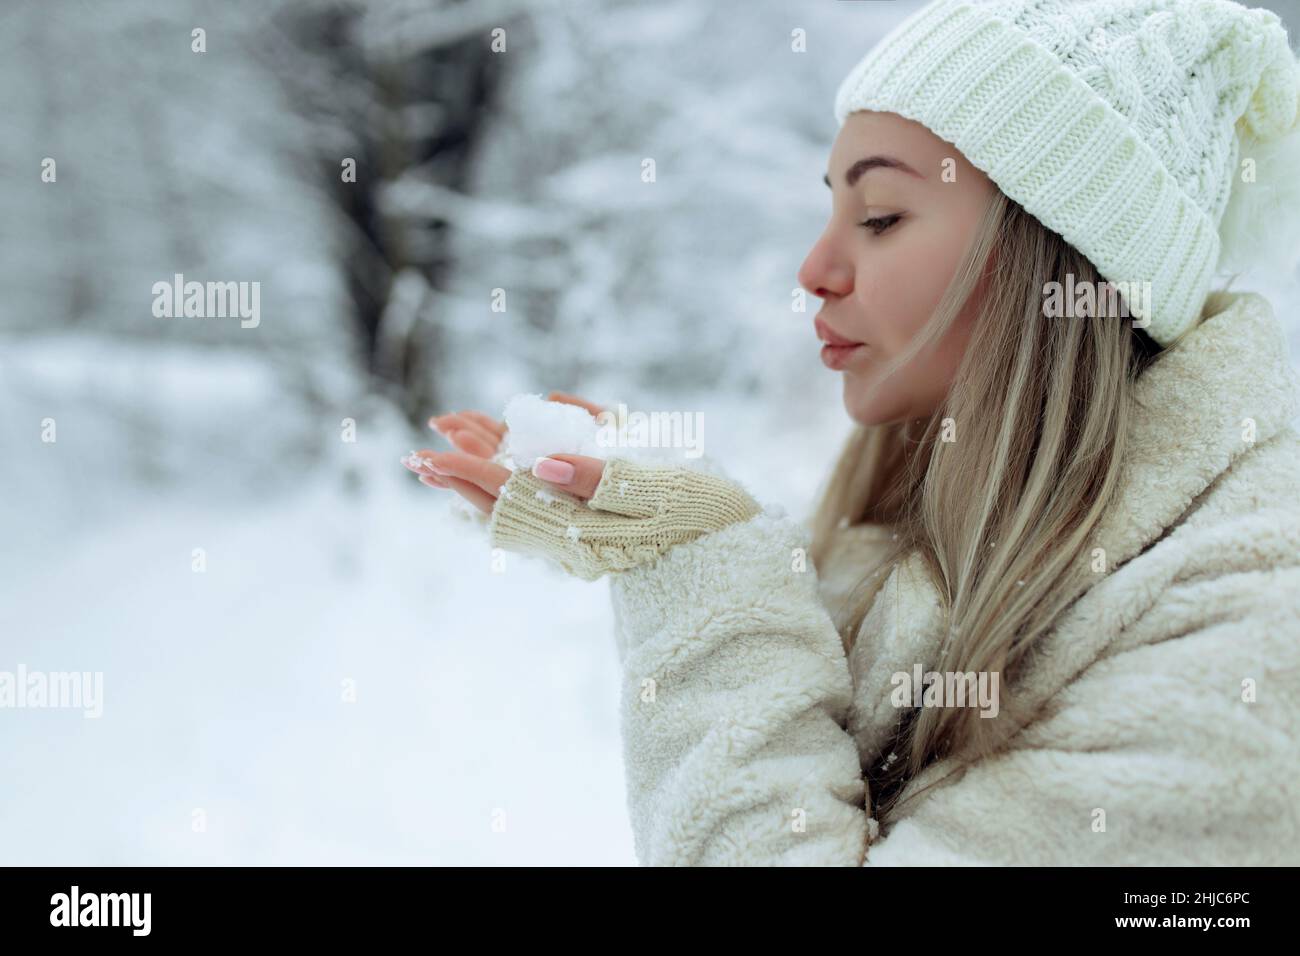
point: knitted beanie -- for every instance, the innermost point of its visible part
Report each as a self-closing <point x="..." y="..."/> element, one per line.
<point x="1116" y="123"/>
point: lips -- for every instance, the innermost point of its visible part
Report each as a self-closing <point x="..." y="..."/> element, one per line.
<point x="839" y="357"/>
<point x="829" y="336"/>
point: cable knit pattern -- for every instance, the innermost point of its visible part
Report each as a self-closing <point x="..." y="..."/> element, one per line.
<point x="1114" y="122"/>
<point x="637" y="512"/>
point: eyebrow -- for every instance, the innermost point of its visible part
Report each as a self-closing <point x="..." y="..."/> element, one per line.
<point x="856" y="171"/>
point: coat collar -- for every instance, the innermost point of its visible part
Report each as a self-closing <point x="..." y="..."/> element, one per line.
<point x="1227" y="385"/>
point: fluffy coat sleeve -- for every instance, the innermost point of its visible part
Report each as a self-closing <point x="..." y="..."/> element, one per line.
<point x="733" y="706"/>
<point x="735" y="685"/>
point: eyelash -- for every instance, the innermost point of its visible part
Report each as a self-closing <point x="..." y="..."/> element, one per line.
<point x="873" y="224"/>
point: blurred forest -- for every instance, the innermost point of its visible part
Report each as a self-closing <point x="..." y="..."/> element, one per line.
<point x="501" y="153"/>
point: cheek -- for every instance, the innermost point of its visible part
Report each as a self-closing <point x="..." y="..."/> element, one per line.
<point x="918" y="390"/>
<point x="898" y="288"/>
<point x="942" y="365"/>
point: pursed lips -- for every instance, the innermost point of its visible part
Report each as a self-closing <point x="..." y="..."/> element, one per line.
<point x="829" y="335"/>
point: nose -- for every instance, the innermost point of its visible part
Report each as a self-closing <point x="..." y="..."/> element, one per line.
<point x="824" y="273"/>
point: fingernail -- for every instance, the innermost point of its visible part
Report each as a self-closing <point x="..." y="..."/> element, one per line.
<point x="421" y="465"/>
<point x="552" y="469"/>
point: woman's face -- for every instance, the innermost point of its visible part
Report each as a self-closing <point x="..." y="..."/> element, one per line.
<point x="879" y="283"/>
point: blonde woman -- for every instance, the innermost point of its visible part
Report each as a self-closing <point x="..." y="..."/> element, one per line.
<point x="1053" y="609"/>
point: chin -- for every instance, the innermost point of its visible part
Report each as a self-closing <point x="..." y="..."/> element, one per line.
<point x="877" y="410"/>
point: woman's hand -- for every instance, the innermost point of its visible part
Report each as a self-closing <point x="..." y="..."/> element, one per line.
<point x="478" y="434"/>
<point x="590" y="516"/>
<point x="479" y="481"/>
<point x="475" y="477"/>
<point x="472" y="432"/>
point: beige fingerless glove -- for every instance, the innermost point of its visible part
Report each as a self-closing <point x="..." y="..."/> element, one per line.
<point x="637" y="512"/>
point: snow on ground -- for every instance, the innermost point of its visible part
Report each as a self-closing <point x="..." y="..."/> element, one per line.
<point x="477" y="693"/>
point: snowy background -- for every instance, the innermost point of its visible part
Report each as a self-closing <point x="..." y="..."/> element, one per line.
<point x="484" y="728"/>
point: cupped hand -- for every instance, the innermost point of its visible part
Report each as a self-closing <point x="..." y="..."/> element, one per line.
<point x="479" y="481"/>
<point x="478" y="434"/>
<point x="472" y="474"/>
<point x="472" y="432"/>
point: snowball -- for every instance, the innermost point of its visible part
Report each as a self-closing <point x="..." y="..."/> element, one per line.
<point x="536" y="428"/>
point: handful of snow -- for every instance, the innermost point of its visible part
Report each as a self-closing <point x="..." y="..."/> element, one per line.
<point x="536" y="428"/>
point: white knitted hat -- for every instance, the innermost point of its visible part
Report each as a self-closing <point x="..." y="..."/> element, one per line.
<point x="1116" y="123"/>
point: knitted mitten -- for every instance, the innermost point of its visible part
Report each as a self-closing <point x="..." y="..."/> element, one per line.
<point x="638" y="512"/>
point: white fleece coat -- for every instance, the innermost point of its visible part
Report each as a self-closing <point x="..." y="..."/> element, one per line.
<point x="1169" y="726"/>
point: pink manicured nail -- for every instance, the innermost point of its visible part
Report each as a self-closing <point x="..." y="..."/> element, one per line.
<point x="552" y="469"/>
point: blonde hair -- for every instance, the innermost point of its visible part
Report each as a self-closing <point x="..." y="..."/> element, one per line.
<point x="1002" y="512"/>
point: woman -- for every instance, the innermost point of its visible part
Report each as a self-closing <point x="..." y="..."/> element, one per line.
<point x="1056" y="598"/>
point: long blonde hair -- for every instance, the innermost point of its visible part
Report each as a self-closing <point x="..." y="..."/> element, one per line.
<point x="999" y="490"/>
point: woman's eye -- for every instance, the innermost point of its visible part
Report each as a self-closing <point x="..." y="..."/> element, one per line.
<point x="881" y="223"/>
